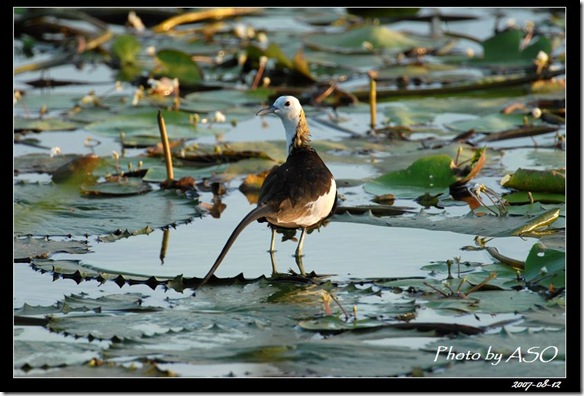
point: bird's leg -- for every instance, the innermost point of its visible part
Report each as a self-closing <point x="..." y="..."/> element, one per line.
<point x="273" y="259"/>
<point x="300" y="243"/>
<point x="273" y="241"/>
<point x="298" y="255"/>
<point x="272" y="251"/>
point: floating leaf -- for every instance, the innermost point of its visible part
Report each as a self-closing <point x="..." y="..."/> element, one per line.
<point x="503" y="353"/>
<point x="157" y="174"/>
<point x="41" y="162"/>
<point x="490" y="302"/>
<point x="545" y="267"/>
<point x="28" y="248"/>
<point x="390" y="12"/>
<point x="49" y="209"/>
<point x="78" y="170"/>
<point x="406" y="115"/>
<point x="334" y="324"/>
<point x="538" y="223"/>
<point x="177" y="64"/>
<point x="121" y="186"/>
<point x="430" y="174"/>
<point x="488" y="226"/>
<point x="142" y="122"/>
<point x="125" y="48"/>
<point x="489" y="123"/>
<point x="547" y="181"/>
<point x="505" y="47"/>
<point x="45" y="124"/>
<point x="45" y="352"/>
<point x="379" y="37"/>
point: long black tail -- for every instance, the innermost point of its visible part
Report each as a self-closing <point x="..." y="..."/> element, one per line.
<point x="252" y="216"/>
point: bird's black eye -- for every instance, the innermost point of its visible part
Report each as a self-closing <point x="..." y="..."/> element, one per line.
<point x="287" y="104"/>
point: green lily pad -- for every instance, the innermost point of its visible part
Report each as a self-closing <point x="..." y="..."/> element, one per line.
<point x="125" y="48"/>
<point x="524" y="197"/>
<point x="488" y="226"/>
<point x="224" y="99"/>
<point x="490" y="302"/>
<point x="27" y="248"/>
<point x="157" y="174"/>
<point x="334" y="324"/>
<point x="489" y="123"/>
<point x="505" y="47"/>
<point x="124" y="186"/>
<point x="380" y="38"/>
<point x="49" y="209"/>
<point x="43" y="125"/>
<point x="527" y="354"/>
<point x="40" y="162"/>
<point x="407" y="115"/>
<point x="143" y="122"/>
<point x="432" y="174"/>
<point x="47" y="351"/>
<point x="545" y="267"/>
<point x="534" y="180"/>
<point x="178" y="64"/>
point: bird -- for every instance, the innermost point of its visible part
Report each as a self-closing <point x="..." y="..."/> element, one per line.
<point x="301" y="193"/>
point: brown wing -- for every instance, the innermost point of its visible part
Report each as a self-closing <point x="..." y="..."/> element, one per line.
<point x="301" y="179"/>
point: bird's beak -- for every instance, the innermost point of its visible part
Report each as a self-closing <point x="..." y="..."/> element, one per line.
<point x="268" y="110"/>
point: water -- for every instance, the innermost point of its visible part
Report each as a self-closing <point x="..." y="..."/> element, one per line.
<point x="343" y="251"/>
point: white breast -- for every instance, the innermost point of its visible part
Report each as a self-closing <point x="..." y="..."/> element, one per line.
<point x="317" y="210"/>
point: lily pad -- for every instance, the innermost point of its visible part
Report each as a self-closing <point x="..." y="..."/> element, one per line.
<point x="490" y="302"/>
<point x="529" y="354"/>
<point x="123" y="186"/>
<point x="379" y="37"/>
<point x="41" y="162"/>
<point x="524" y="197"/>
<point x="42" y="125"/>
<point x="144" y="122"/>
<point x="48" y="209"/>
<point x="545" y="267"/>
<point x="489" y="123"/>
<point x="125" y="48"/>
<point x="494" y="226"/>
<point x="505" y="47"/>
<point x="549" y="181"/>
<point x="178" y="64"/>
<point x="400" y="114"/>
<point x="39" y="352"/>
<point x="430" y="174"/>
<point x="27" y="248"/>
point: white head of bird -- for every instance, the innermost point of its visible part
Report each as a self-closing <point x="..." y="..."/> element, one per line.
<point x="290" y="111"/>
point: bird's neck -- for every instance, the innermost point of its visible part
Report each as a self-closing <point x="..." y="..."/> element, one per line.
<point x="297" y="132"/>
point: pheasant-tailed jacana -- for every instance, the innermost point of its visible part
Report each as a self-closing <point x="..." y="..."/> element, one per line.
<point x="300" y="193"/>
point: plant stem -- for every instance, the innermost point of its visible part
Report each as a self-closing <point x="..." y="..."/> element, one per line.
<point x="166" y="146"/>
